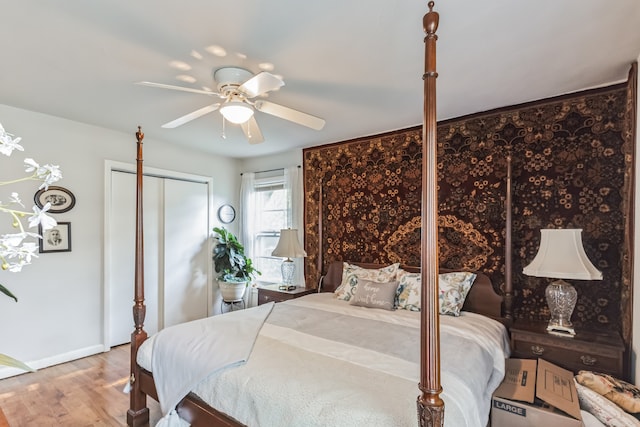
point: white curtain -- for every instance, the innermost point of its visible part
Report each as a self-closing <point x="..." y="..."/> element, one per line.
<point x="292" y="177"/>
<point x="294" y="186"/>
<point x="248" y="212"/>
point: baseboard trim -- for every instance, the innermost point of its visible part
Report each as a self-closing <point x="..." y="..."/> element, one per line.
<point x="6" y="372"/>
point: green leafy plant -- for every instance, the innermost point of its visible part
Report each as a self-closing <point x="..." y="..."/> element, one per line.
<point x="229" y="258"/>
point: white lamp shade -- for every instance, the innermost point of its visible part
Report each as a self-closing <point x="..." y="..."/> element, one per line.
<point x="288" y="246"/>
<point x="236" y="111"/>
<point x="561" y="256"/>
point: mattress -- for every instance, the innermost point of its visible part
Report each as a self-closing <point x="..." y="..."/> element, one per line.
<point x="320" y="361"/>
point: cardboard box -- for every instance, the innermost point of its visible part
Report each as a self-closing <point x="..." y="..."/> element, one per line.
<point x="535" y="393"/>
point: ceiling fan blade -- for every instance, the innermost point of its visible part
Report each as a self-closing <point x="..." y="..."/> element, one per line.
<point x="290" y="114"/>
<point x="180" y="88"/>
<point x="191" y="116"/>
<point x="252" y="131"/>
<point x="260" y="83"/>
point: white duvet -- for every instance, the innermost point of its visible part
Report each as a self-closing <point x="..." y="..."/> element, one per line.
<point x="318" y="361"/>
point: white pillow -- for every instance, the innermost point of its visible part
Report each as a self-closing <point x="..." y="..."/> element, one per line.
<point x="607" y="412"/>
<point x="623" y="394"/>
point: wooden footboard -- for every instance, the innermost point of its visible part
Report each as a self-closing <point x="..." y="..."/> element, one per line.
<point x="192" y="409"/>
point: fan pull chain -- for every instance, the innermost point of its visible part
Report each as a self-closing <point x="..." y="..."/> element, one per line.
<point x="224" y="135"/>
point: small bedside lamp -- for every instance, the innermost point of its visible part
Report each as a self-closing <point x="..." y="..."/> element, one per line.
<point x="561" y="256"/>
<point x="288" y="247"/>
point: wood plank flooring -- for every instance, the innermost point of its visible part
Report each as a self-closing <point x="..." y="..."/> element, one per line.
<point x="83" y="393"/>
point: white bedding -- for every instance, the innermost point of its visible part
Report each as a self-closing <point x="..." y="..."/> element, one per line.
<point x="319" y="361"/>
<point x="184" y="354"/>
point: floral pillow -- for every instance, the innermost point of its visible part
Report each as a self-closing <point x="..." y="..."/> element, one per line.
<point x="453" y="290"/>
<point x="352" y="273"/>
<point x="603" y="409"/>
<point x="408" y="293"/>
<point x="375" y="295"/>
<point x="625" y="395"/>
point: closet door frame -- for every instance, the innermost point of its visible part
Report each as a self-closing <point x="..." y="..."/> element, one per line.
<point x="111" y="166"/>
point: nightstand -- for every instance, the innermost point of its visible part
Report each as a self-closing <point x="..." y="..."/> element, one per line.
<point x="589" y="351"/>
<point x="267" y="293"/>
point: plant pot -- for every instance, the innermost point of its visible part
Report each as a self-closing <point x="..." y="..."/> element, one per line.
<point x="232" y="291"/>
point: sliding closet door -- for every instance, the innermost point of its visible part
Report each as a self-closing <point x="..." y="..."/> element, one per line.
<point x="186" y="251"/>
<point x="176" y="250"/>
<point x="121" y="258"/>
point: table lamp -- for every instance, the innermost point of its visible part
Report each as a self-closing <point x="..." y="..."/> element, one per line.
<point x="561" y="256"/>
<point x="288" y="247"/>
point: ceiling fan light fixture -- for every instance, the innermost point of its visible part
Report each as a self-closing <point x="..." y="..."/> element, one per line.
<point x="236" y="112"/>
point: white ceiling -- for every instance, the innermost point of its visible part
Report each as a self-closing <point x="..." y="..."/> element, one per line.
<point x="356" y="63"/>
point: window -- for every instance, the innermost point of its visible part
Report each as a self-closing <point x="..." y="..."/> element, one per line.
<point x="270" y="201"/>
<point x="271" y="216"/>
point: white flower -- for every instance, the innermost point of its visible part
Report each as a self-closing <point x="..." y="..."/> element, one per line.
<point x="47" y="173"/>
<point x="30" y="165"/>
<point x="40" y="217"/>
<point x="15" y="252"/>
<point x="15" y="198"/>
<point x="8" y="143"/>
<point x="14" y="240"/>
<point x="50" y="174"/>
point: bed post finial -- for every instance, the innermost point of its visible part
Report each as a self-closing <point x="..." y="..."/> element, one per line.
<point x="430" y="405"/>
<point x="139" y="134"/>
<point x="430" y="20"/>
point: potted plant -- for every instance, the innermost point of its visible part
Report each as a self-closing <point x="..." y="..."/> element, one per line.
<point x="235" y="270"/>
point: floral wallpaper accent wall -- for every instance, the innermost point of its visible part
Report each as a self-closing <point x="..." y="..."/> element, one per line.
<point x="571" y="166"/>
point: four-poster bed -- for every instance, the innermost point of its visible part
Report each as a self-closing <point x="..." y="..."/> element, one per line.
<point x="321" y="309"/>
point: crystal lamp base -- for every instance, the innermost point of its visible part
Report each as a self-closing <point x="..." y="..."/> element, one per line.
<point x="288" y="270"/>
<point x="561" y="298"/>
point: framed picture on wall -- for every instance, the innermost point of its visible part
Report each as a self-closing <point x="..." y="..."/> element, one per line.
<point x="61" y="199"/>
<point x="56" y="239"/>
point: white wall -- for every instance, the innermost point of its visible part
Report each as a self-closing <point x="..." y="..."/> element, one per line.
<point x="59" y="316"/>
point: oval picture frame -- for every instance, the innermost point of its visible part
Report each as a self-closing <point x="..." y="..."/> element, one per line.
<point x="226" y="214"/>
<point x="61" y="199"/>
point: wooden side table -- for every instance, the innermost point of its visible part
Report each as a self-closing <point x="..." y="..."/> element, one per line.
<point x="267" y="293"/>
<point x="587" y="350"/>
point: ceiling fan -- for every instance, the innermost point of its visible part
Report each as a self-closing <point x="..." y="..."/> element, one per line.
<point x="237" y="87"/>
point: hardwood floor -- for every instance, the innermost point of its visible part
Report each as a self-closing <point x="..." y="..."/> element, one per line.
<point x="83" y="393"/>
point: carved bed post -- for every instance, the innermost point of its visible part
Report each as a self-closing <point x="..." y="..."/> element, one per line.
<point x="138" y="413"/>
<point x="430" y="405"/>
<point x="320" y="236"/>
<point x="508" y="258"/>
